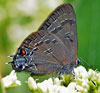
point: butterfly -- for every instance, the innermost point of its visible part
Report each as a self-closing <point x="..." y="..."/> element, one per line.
<point x="53" y="48"/>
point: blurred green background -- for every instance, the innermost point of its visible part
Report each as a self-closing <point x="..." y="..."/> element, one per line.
<point x="19" y="18"/>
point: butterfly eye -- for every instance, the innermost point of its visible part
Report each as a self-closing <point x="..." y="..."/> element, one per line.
<point x="22" y="52"/>
<point x="78" y="61"/>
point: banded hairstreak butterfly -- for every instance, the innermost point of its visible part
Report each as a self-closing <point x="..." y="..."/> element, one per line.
<point x="53" y="48"/>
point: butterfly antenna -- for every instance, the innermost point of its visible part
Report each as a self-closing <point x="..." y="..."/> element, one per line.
<point x="83" y="61"/>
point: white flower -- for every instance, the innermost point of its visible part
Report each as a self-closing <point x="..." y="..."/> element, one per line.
<point x="45" y="85"/>
<point x="57" y="81"/>
<point x="94" y="77"/>
<point x="32" y="84"/>
<point x="72" y="87"/>
<point x="84" y="82"/>
<point x="52" y="86"/>
<point x="10" y="80"/>
<point x="63" y="89"/>
<point x="92" y="74"/>
<point x="81" y="76"/>
<point x="80" y="72"/>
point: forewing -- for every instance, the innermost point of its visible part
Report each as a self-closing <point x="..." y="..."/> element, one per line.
<point x="62" y="23"/>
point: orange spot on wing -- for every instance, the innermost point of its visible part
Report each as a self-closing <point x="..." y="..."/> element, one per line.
<point x="22" y="52"/>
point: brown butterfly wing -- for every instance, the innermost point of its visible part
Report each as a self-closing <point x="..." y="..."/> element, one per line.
<point x="62" y="23"/>
<point x="44" y="50"/>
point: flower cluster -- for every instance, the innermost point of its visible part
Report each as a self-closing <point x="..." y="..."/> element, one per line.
<point x="82" y="82"/>
<point x="10" y="80"/>
<point x="87" y="82"/>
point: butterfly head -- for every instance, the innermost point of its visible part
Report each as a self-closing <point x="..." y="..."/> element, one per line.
<point x="18" y="63"/>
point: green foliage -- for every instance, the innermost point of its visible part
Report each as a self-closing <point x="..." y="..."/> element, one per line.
<point x="22" y="20"/>
<point x="87" y="15"/>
